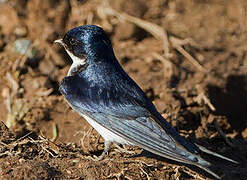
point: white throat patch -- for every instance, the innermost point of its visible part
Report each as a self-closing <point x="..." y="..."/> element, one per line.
<point x="77" y="62"/>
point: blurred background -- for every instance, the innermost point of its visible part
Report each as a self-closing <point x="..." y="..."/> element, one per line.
<point x="188" y="56"/>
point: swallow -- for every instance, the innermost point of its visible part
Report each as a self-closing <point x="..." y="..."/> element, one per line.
<point x="98" y="88"/>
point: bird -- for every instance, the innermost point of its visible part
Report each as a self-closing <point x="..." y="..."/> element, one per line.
<point x="98" y="89"/>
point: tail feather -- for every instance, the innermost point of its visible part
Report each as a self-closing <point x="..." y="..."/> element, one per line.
<point x="208" y="171"/>
<point x="204" y="165"/>
<point x="203" y="149"/>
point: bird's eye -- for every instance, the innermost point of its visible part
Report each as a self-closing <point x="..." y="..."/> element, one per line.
<point x="72" y="41"/>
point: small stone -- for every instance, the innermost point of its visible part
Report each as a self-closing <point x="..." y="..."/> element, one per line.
<point x="20" y="31"/>
<point x="24" y="47"/>
<point x="21" y="160"/>
<point x="69" y="172"/>
<point x="5" y="92"/>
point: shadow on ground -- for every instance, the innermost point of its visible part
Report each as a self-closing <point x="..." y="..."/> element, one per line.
<point x="231" y="101"/>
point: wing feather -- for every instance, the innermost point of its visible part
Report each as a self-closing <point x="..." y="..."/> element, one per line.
<point x="145" y="133"/>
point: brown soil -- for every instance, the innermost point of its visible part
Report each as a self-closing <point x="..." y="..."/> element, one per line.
<point x="47" y="140"/>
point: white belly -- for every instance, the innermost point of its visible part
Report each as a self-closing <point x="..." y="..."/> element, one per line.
<point x="105" y="133"/>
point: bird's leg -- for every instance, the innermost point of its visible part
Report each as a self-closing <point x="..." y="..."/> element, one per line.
<point x="124" y="150"/>
<point x="107" y="145"/>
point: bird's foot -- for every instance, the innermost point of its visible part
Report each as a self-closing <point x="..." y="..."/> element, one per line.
<point x="105" y="151"/>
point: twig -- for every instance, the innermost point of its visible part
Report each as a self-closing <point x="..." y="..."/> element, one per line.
<point x="166" y="63"/>
<point x="177" y="45"/>
<point x="141" y="162"/>
<point x="4" y="144"/>
<point x="118" y="175"/>
<point x="157" y="31"/>
<point x="54" y="132"/>
<point x="223" y="134"/>
<point x="85" y="134"/>
<point x="177" y="173"/>
<point x="6" y="153"/>
<point x="49" y="141"/>
<point x="48" y="151"/>
<point x="90" y="18"/>
<point x="202" y="97"/>
<point x="194" y="175"/>
<point x="148" y="177"/>
<point x="14" y="84"/>
<point x="21" y="138"/>
<point x="7" y="101"/>
<point x="123" y="150"/>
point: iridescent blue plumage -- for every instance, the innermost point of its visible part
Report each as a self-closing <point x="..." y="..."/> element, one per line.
<point x="105" y="95"/>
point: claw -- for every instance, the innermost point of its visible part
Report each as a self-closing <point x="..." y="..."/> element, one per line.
<point x="106" y="149"/>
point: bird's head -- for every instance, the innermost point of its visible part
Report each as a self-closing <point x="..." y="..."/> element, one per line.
<point x="84" y="41"/>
